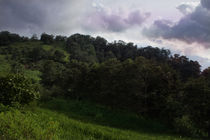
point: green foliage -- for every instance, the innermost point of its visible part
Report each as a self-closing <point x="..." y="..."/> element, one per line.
<point x="206" y="73"/>
<point x="5" y="66"/>
<point x="60" y="38"/>
<point x="16" y="125"/>
<point x="52" y="72"/>
<point x="196" y="100"/>
<point x="83" y="53"/>
<point x="57" y="53"/>
<point x="160" y="55"/>
<point x="140" y="85"/>
<point x="47" y="39"/>
<point x="37" y="54"/>
<point x="4" y="108"/>
<point x="17" y="88"/>
<point x="34" y="75"/>
<point x="6" y="38"/>
<point x="186" y="68"/>
<point x="185" y="125"/>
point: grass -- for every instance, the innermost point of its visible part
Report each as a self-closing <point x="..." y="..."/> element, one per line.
<point x="77" y="120"/>
<point x="92" y="113"/>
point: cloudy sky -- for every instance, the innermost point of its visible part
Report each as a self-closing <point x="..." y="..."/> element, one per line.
<point x="182" y="26"/>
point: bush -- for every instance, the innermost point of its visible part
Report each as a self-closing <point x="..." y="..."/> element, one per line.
<point x="185" y="125"/>
<point x="17" y="88"/>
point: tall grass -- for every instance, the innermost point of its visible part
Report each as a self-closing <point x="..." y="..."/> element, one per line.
<point x="17" y="125"/>
<point x="75" y="120"/>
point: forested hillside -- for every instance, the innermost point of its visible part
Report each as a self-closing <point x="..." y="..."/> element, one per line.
<point x="147" y="81"/>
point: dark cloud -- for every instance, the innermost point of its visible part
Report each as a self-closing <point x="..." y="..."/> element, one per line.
<point x="63" y="17"/>
<point x="193" y="27"/>
<point x="20" y="14"/>
<point x="36" y="16"/>
<point x="114" y="22"/>
<point x="206" y="3"/>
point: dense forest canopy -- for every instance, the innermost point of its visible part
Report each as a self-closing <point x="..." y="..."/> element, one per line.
<point x="146" y="80"/>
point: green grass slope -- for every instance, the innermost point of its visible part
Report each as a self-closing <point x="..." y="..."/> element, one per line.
<point x="76" y="120"/>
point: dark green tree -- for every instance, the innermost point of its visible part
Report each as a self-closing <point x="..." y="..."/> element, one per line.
<point x="47" y="39"/>
<point x="187" y="68"/>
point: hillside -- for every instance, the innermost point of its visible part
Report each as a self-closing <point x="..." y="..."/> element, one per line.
<point x="161" y="94"/>
<point x="78" y="120"/>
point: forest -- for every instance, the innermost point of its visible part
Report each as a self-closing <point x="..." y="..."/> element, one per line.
<point x="149" y="82"/>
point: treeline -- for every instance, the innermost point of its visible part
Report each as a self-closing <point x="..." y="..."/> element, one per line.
<point x="149" y="81"/>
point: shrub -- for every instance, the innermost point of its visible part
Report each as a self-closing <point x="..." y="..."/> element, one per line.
<point x="185" y="125"/>
<point x="17" y="88"/>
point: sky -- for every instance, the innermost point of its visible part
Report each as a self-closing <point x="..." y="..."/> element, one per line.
<point x="183" y="26"/>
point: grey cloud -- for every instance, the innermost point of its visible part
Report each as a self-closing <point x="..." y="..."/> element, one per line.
<point x="114" y="22"/>
<point x="206" y="3"/>
<point x="19" y="14"/>
<point x="63" y="17"/>
<point x="36" y="16"/>
<point x="185" y="8"/>
<point x="194" y="27"/>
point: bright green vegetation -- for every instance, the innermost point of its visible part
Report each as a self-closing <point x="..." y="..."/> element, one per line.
<point x="78" y="120"/>
<point x="54" y="48"/>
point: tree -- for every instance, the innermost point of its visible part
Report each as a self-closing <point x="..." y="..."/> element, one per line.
<point x="38" y="53"/>
<point x="196" y="103"/>
<point x="81" y="48"/>
<point x="187" y="68"/>
<point x="60" y="38"/>
<point x="34" y="37"/>
<point x="6" y="38"/>
<point x="160" y="55"/>
<point x="47" y="39"/>
<point x="52" y="73"/>
<point x="59" y="56"/>
<point x="206" y="73"/>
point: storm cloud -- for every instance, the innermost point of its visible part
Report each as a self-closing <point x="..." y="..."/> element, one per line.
<point x="32" y="16"/>
<point x="103" y="20"/>
<point x="206" y="3"/>
<point x="194" y="27"/>
<point x="64" y="17"/>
